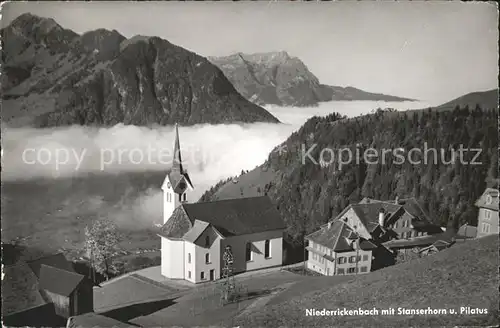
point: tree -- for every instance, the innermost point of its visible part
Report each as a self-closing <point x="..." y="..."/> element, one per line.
<point x="101" y="243"/>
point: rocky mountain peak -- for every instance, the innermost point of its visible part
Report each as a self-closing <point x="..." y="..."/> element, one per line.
<point x="29" y="29"/>
<point x="54" y="77"/>
<point x="104" y="43"/>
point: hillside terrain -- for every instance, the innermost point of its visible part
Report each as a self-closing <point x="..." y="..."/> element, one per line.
<point x="486" y="99"/>
<point x="308" y="194"/>
<point x="52" y="76"/>
<point x="280" y="79"/>
<point x="464" y="275"/>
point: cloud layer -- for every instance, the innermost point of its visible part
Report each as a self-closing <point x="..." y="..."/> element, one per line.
<point x="210" y="153"/>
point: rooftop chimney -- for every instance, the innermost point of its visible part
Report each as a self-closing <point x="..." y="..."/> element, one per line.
<point x="381" y="217"/>
<point x="329" y="224"/>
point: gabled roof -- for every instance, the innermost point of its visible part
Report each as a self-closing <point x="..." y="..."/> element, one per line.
<point x="419" y="217"/>
<point x="327" y="235"/>
<point x="489" y="199"/>
<point x="368" y="213"/>
<point x="412" y="206"/>
<point x="19" y="288"/>
<point x="335" y="236"/>
<point x="196" y="230"/>
<point x="229" y="217"/>
<point x="59" y="281"/>
<point x="56" y="260"/>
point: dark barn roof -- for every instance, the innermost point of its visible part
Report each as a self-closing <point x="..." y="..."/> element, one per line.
<point x="229" y="217"/>
<point x="59" y="281"/>
<point x="56" y="260"/>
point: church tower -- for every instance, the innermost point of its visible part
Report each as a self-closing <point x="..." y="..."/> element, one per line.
<point x="177" y="184"/>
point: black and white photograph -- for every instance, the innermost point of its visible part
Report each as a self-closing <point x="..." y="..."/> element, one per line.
<point x="249" y="164"/>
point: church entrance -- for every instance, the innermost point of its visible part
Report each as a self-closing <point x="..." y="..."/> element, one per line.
<point x="212" y="274"/>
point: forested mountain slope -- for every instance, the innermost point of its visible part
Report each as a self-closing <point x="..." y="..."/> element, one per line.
<point x="308" y="194"/>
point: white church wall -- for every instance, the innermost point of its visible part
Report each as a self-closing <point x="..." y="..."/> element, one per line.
<point x="172" y="258"/>
<point x="214" y="256"/>
<point x="259" y="261"/>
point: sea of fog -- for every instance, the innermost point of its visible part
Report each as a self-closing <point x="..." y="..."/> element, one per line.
<point x="210" y="152"/>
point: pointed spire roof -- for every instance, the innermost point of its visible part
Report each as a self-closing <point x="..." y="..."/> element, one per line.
<point x="177" y="173"/>
<point x="177" y="159"/>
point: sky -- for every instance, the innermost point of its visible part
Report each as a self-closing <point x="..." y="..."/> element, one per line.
<point x="430" y="51"/>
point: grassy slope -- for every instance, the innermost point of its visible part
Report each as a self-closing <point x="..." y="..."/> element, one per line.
<point x="247" y="185"/>
<point x="464" y="275"/>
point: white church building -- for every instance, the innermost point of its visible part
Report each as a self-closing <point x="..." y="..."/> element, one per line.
<point x="194" y="235"/>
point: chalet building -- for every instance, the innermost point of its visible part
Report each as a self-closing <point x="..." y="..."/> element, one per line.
<point x="53" y="290"/>
<point x="70" y="292"/>
<point x="414" y="222"/>
<point x="195" y="235"/>
<point x="356" y="240"/>
<point x="337" y="249"/>
<point x="487" y="219"/>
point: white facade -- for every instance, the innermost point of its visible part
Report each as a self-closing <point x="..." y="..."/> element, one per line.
<point x="257" y="241"/>
<point x="172" y="259"/>
<point x="182" y="259"/>
<point x="343" y="263"/>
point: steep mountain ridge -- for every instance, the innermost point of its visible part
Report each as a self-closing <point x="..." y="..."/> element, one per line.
<point x="280" y="79"/>
<point x="53" y="77"/>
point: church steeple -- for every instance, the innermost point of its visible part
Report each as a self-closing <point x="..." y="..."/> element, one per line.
<point x="177" y="159"/>
<point x="177" y="184"/>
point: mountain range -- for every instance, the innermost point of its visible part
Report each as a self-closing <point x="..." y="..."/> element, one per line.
<point x="53" y="76"/>
<point x="280" y="79"/>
